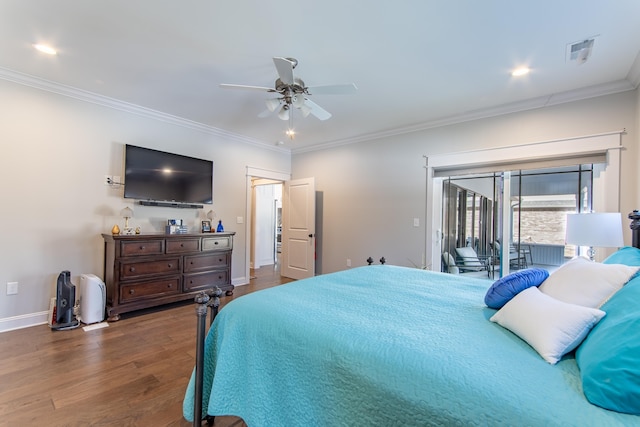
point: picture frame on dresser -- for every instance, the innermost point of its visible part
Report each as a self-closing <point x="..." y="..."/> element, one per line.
<point x="206" y="226"/>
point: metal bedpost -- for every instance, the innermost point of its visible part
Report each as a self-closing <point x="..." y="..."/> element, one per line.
<point x="635" y="228"/>
<point x="201" y="312"/>
<point x="214" y="304"/>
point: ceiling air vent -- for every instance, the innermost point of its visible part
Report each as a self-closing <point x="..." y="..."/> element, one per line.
<point x="580" y="51"/>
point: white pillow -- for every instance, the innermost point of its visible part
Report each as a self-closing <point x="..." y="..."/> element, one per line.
<point x="553" y="328"/>
<point x="587" y="283"/>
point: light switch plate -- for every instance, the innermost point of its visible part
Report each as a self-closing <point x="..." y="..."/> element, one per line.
<point x="12" y="288"/>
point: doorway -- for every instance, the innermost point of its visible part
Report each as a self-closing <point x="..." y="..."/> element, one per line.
<point x="263" y="176"/>
<point x="602" y="150"/>
<point x="266" y="223"/>
<point x="298" y="211"/>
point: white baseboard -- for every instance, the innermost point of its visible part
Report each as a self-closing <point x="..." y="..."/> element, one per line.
<point x="40" y="318"/>
<point x="23" y="321"/>
<point x="239" y="281"/>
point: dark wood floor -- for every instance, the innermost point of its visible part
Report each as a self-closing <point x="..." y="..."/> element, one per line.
<point x="132" y="373"/>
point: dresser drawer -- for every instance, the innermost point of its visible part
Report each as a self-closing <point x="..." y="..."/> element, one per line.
<point x="142" y="247"/>
<point x="150" y="289"/>
<point x="194" y="282"/>
<point x="205" y="262"/>
<point x="176" y="246"/>
<point x="213" y="243"/>
<point x="133" y="270"/>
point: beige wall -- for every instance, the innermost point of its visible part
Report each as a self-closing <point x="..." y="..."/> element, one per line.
<point x="55" y="153"/>
<point x="373" y="190"/>
<point x="57" y="149"/>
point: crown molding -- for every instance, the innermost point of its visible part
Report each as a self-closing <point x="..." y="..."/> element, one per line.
<point x="634" y="72"/>
<point x="529" y="104"/>
<point x="105" y="101"/>
<point x="630" y="83"/>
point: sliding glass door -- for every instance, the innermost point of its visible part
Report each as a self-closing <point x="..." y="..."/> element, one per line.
<point x="516" y="217"/>
<point x="468" y="217"/>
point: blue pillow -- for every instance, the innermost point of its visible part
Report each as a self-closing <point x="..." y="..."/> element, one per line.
<point x="511" y="285"/>
<point x="627" y="256"/>
<point x="609" y="358"/>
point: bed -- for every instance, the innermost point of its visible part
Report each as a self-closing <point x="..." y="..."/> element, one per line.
<point x="388" y="345"/>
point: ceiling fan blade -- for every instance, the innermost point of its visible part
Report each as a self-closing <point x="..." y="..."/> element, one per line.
<point x="285" y="69"/>
<point x="261" y="88"/>
<point x="317" y="110"/>
<point x="342" y="89"/>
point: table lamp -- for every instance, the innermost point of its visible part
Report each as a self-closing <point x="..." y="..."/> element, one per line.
<point x="127" y="213"/>
<point x="594" y="229"/>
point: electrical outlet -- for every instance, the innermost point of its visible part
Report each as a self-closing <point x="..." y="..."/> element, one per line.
<point x="12" y="288"/>
<point x="416" y="222"/>
<point x="348" y="262"/>
<point x="108" y="180"/>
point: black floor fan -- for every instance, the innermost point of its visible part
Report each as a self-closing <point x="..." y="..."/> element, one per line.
<point x="65" y="300"/>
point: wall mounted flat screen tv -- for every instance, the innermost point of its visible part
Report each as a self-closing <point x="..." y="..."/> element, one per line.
<point x="152" y="175"/>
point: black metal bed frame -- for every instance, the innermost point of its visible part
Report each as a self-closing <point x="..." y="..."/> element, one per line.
<point x="203" y="301"/>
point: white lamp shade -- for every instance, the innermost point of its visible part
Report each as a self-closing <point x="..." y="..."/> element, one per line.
<point x="298" y="100"/>
<point x="595" y="229"/>
<point x="126" y="212"/>
<point x="272" y="104"/>
<point x="305" y="110"/>
<point x="284" y="113"/>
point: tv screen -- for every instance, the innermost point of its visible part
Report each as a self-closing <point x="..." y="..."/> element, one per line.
<point x="159" y="176"/>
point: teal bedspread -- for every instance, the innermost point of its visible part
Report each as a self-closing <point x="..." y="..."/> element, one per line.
<point x="383" y="346"/>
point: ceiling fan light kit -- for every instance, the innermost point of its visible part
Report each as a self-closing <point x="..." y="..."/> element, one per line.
<point x="272" y="104"/>
<point x="293" y="93"/>
<point x="284" y="113"/>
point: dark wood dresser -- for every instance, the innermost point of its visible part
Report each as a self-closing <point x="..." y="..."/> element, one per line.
<point x="147" y="270"/>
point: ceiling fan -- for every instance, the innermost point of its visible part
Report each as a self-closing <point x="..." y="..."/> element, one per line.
<point x="292" y="92"/>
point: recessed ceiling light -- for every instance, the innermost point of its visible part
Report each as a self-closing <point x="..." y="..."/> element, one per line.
<point x="45" y="49"/>
<point x="522" y="71"/>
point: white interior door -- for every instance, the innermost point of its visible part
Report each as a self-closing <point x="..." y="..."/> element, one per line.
<point x="298" y="228"/>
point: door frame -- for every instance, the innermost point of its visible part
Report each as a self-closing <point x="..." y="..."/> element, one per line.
<point x="253" y="172"/>
<point x="608" y="144"/>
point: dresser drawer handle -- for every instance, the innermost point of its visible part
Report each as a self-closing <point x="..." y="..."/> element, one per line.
<point x="131" y="291"/>
<point x="215" y="243"/>
<point x="169" y="285"/>
<point x="142" y="248"/>
<point x="220" y="260"/>
<point x="220" y="277"/>
<point x="169" y="265"/>
<point x="182" y="245"/>
<point x="191" y="262"/>
<point x="132" y="269"/>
